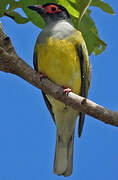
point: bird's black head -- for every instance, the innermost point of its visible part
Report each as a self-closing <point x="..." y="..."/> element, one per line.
<point x="51" y="12"/>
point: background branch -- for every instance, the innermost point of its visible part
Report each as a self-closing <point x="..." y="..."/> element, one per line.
<point x="11" y="63"/>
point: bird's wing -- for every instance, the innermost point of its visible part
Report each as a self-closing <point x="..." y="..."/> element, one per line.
<point x="85" y="79"/>
<point x="83" y="87"/>
<point x="35" y="63"/>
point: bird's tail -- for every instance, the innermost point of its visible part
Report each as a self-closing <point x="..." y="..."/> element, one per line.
<point x="63" y="162"/>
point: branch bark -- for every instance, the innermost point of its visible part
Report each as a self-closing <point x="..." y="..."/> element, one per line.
<point x="11" y="63"/>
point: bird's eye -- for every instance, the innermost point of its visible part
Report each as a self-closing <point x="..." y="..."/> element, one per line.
<point x="53" y="8"/>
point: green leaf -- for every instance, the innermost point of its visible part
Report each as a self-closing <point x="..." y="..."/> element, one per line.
<point x="83" y="7"/>
<point x="103" y="6"/>
<point x="71" y="9"/>
<point x="3" y="6"/>
<point x="26" y="3"/>
<point x="17" y="17"/>
<point x="94" y="43"/>
<point x="14" y="4"/>
<point x="90" y="34"/>
<point x="11" y="4"/>
<point x="35" y="18"/>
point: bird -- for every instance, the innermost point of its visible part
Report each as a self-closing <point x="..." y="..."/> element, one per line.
<point x="61" y="55"/>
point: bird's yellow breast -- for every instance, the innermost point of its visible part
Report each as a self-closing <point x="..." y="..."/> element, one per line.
<point x="59" y="60"/>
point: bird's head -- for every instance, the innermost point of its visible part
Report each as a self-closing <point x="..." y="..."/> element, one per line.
<point x="51" y="12"/>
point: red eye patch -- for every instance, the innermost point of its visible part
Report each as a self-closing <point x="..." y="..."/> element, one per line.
<point x="52" y="9"/>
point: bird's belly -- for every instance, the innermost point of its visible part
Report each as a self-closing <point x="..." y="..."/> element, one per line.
<point x="59" y="61"/>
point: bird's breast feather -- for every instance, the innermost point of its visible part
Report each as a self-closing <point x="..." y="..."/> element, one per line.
<point x="58" y="59"/>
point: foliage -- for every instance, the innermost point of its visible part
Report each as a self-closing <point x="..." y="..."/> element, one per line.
<point x="78" y="9"/>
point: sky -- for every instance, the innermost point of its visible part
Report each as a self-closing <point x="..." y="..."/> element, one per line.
<point x="27" y="132"/>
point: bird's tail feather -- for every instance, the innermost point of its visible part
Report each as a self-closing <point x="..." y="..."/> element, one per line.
<point x="63" y="162"/>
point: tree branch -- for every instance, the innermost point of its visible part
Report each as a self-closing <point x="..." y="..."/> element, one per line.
<point x="11" y="63"/>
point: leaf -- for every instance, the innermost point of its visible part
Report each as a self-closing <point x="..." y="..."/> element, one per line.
<point x="94" y="43"/>
<point x="80" y="6"/>
<point x="17" y="17"/>
<point x="9" y="5"/>
<point x="71" y="9"/>
<point x="14" y="4"/>
<point x="83" y="7"/>
<point x="3" y="6"/>
<point x="35" y="18"/>
<point x="103" y="6"/>
<point x="26" y="3"/>
<point x="90" y="34"/>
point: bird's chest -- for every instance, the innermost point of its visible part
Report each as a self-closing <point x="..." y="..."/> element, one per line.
<point x="58" y="59"/>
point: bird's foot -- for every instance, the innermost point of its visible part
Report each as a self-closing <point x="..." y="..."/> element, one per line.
<point x="67" y="90"/>
<point x="42" y="75"/>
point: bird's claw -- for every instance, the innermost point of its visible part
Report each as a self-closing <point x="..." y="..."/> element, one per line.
<point x="67" y="90"/>
<point x="42" y="75"/>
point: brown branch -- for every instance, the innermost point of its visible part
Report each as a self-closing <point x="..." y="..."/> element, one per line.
<point x="11" y="63"/>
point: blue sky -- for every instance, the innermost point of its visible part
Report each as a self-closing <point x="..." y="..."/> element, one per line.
<point x="27" y="132"/>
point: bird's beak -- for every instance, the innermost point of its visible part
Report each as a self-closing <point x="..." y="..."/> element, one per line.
<point x="37" y="8"/>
